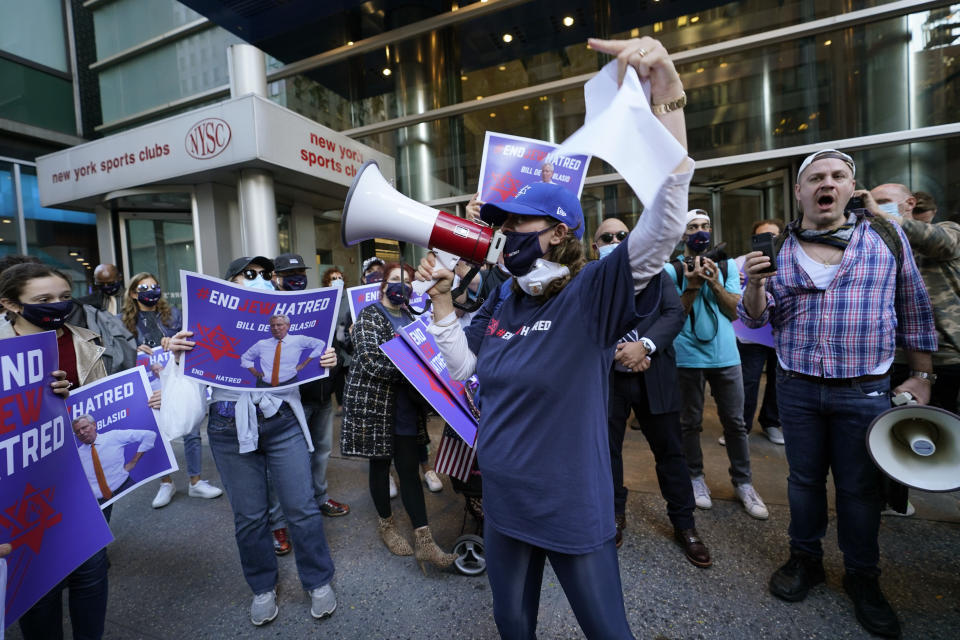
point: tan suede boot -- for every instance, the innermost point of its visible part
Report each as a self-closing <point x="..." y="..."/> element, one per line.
<point x="395" y="542"/>
<point x="428" y="551"/>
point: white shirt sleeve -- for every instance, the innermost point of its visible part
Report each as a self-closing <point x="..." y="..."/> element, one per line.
<point x="246" y="360"/>
<point x="660" y="227"/>
<point x="452" y="341"/>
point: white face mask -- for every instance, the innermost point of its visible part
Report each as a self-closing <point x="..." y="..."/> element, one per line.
<point x="540" y="276"/>
<point x="891" y="209"/>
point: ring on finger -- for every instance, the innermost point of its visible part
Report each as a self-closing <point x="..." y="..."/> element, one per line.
<point x="642" y="52"/>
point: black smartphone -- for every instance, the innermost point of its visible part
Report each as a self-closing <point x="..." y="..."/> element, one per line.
<point x="766" y="242"/>
<point x="856" y="202"/>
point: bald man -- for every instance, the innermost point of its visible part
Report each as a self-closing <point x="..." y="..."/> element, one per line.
<point x="108" y="290"/>
<point x="644" y="379"/>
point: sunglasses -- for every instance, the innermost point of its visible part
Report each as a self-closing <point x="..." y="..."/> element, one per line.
<point x="147" y="287"/>
<point x="607" y="238"/>
<point x="251" y="274"/>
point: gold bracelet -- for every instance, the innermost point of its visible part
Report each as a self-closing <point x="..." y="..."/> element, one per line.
<point x="667" y="107"/>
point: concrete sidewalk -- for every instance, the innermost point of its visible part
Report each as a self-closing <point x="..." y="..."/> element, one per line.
<point x="175" y="571"/>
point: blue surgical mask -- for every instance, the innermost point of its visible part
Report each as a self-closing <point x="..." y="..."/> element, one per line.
<point x="522" y="249"/>
<point x="259" y="283"/>
<point x="605" y="250"/>
<point x="891" y="209"/>
<point x="296" y="282"/>
<point x="698" y="242"/>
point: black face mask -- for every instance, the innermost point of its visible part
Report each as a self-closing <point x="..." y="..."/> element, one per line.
<point x="150" y="297"/>
<point x="110" y="288"/>
<point x="398" y="292"/>
<point x="521" y="250"/>
<point x="297" y="282"/>
<point x="47" y="315"/>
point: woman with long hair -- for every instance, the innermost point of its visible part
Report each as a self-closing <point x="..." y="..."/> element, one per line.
<point x="542" y="348"/>
<point x="153" y="321"/>
<point x="384" y="418"/>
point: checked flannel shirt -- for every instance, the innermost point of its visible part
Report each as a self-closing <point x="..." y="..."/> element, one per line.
<point x="849" y="328"/>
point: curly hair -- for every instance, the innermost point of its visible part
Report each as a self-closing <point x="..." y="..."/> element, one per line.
<point x="327" y="276"/>
<point x="569" y="253"/>
<point x="409" y="274"/>
<point x="131" y="308"/>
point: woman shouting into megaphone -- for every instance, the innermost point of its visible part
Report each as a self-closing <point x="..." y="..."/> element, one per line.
<point x="542" y="347"/>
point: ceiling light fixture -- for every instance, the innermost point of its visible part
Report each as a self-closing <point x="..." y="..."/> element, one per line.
<point x="386" y="71"/>
<point x="568" y="21"/>
<point x="508" y="38"/>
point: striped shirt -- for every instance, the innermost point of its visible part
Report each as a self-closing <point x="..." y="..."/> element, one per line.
<point x="856" y="323"/>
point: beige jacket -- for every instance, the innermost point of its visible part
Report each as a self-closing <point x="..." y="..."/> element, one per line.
<point x="90" y="365"/>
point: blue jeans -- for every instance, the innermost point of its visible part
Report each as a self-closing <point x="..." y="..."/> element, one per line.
<point x="283" y="451"/>
<point x="193" y="452"/>
<point x="88" y="604"/>
<point x="591" y="582"/>
<point x="753" y="357"/>
<point x="320" y="422"/>
<point x="824" y="429"/>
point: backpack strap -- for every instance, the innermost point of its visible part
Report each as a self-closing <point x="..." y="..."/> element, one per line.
<point x="891" y="238"/>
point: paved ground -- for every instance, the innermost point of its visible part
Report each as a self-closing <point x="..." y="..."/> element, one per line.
<point x="175" y="571"/>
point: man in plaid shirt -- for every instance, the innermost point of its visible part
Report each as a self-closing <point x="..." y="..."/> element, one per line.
<point x="839" y="309"/>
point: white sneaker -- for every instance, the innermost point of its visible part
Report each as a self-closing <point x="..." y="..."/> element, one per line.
<point x="774" y="434"/>
<point x="164" y="495"/>
<point x="393" y="488"/>
<point x="889" y="511"/>
<point x="701" y="492"/>
<point x="722" y="441"/>
<point x="752" y="502"/>
<point x="433" y="481"/>
<point x="323" y="602"/>
<point x="204" y="489"/>
<point x="264" y="608"/>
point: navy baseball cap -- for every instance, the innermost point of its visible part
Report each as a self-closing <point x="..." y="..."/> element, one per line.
<point x="538" y="199"/>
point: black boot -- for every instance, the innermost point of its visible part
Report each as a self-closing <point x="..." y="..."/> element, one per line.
<point x="873" y="611"/>
<point x="793" y="581"/>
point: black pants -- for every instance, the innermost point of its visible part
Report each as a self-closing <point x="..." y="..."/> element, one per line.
<point x="662" y="431"/>
<point x="406" y="458"/>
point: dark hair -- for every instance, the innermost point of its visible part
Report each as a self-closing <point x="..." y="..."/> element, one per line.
<point x="131" y="309"/>
<point x="777" y="222"/>
<point x="925" y="202"/>
<point x="407" y="269"/>
<point x="326" y="278"/>
<point x="14" y="280"/>
<point x="12" y="259"/>
<point x="569" y="253"/>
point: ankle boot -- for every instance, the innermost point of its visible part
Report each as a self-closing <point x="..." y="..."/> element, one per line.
<point x="395" y="542"/>
<point x="428" y="551"/>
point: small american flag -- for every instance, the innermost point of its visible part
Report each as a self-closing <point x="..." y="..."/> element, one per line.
<point x="454" y="456"/>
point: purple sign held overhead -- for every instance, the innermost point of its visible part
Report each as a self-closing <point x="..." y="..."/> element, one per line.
<point x="367" y="294"/>
<point x="510" y="162"/>
<point x="117" y="435"/>
<point x="249" y="338"/>
<point x="426" y="382"/>
<point x="47" y="513"/>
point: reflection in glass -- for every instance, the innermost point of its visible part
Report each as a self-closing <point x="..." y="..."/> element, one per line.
<point x="161" y="247"/>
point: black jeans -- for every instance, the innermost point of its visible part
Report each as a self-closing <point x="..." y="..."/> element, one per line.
<point x="662" y="431"/>
<point x="753" y="358"/>
<point x="406" y="458"/>
<point x="88" y="604"/>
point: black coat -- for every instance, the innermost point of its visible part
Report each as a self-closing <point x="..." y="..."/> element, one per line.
<point x="662" y="327"/>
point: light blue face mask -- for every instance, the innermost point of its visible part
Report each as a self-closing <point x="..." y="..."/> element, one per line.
<point x="891" y="209"/>
<point x="605" y="250"/>
<point x="259" y="283"/>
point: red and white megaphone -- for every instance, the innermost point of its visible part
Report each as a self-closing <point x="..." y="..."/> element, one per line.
<point x="374" y="209"/>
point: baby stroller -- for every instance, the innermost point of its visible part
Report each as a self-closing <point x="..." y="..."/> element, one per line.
<point x="458" y="461"/>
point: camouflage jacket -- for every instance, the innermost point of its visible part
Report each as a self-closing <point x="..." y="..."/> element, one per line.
<point x="936" y="248"/>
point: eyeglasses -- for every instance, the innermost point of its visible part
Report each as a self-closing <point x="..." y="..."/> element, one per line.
<point x="147" y="287"/>
<point x="607" y="238"/>
<point x="251" y="274"/>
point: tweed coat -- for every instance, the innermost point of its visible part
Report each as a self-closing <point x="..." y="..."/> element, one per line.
<point x="369" y="399"/>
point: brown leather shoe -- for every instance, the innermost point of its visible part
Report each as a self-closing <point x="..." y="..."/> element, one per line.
<point x="621" y="520"/>
<point x="693" y="547"/>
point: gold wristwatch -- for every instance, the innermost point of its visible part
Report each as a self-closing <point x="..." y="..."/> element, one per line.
<point x="667" y="107"/>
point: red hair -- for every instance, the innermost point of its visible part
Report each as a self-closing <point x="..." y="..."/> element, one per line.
<point x="407" y="269"/>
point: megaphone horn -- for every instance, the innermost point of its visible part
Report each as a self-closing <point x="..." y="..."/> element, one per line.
<point x="374" y="209"/>
<point x="918" y="446"/>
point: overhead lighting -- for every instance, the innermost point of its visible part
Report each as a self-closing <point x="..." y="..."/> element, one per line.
<point x="493" y="114"/>
<point x="79" y="259"/>
<point x="502" y="67"/>
<point x="86" y="264"/>
<point x="72" y="253"/>
<point x="386" y="71"/>
<point x="802" y="127"/>
<point x="479" y="97"/>
<point x="463" y="78"/>
<point x="634" y="33"/>
<point x="507" y="38"/>
<point x="349" y="43"/>
<point x="694" y="19"/>
<point x="700" y="70"/>
<point x="7" y="221"/>
<point x="1" y="239"/>
<point x="526" y="107"/>
<point x="723" y="65"/>
<point x="827" y="43"/>
<point x="568" y="21"/>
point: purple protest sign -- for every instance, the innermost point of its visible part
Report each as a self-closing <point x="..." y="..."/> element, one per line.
<point x="763" y="335"/>
<point x="243" y="341"/>
<point x="426" y="382"/>
<point x="510" y="162"/>
<point x="153" y="364"/>
<point x="47" y="512"/>
<point x="117" y="435"/>
<point x="367" y="294"/>
<point x="416" y="336"/>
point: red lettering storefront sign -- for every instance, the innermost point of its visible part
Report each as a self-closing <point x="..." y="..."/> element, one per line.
<point x="208" y="138"/>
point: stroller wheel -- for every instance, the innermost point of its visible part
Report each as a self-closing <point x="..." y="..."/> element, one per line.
<point x="470" y="558"/>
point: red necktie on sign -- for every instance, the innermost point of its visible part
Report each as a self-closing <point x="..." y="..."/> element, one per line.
<point x="98" y="471"/>
<point x="275" y="375"/>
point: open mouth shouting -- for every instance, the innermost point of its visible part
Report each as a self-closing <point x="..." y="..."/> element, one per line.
<point x="825" y="201"/>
